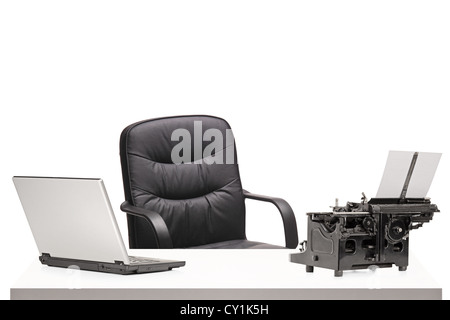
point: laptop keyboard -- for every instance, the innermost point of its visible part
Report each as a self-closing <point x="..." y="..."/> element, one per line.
<point x="141" y="260"/>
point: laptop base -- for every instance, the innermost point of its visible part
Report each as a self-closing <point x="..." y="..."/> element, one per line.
<point x="118" y="267"/>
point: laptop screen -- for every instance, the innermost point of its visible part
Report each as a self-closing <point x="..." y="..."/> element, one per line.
<point x="71" y="218"/>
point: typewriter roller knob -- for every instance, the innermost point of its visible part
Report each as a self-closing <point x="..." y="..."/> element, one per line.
<point x="397" y="230"/>
<point x="369" y="224"/>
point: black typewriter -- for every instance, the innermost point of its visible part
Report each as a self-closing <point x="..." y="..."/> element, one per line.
<point x="371" y="233"/>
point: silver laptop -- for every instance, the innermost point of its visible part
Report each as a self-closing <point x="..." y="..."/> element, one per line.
<point x="73" y="224"/>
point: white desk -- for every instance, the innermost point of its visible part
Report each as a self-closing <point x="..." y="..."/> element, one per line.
<point x="227" y="274"/>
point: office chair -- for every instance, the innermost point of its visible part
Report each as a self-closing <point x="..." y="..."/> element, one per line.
<point x="196" y="201"/>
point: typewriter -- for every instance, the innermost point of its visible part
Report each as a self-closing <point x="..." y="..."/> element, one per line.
<point x="363" y="234"/>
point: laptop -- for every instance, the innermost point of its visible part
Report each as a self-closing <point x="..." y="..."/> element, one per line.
<point x="73" y="225"/>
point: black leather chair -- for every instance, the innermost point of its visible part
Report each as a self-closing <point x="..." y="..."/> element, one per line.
<point x="187" y="205"/>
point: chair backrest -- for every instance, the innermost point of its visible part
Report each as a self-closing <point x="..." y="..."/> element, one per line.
<point x="184" y="168"/>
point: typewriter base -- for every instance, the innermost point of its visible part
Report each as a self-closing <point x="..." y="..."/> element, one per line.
<point x="330" y="249"/>
<point x="340" y="273"/>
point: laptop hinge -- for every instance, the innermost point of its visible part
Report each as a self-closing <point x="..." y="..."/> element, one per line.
<point x="44" y="257"/>
<point x="120" y="263"/>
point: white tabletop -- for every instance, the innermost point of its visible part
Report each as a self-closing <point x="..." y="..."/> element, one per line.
<point x="227" y="274"/>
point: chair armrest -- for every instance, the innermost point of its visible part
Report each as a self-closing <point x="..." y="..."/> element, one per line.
<point x="156" y="222"/>
<point x="287" y="214"/>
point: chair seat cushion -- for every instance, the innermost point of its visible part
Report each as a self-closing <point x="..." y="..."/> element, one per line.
<point x="238" y="244"/>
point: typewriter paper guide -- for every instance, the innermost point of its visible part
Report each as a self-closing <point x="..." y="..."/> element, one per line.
<point x="396" y="171"/>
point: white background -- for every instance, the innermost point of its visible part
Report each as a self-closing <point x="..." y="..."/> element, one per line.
<point x="317" y="93"/>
